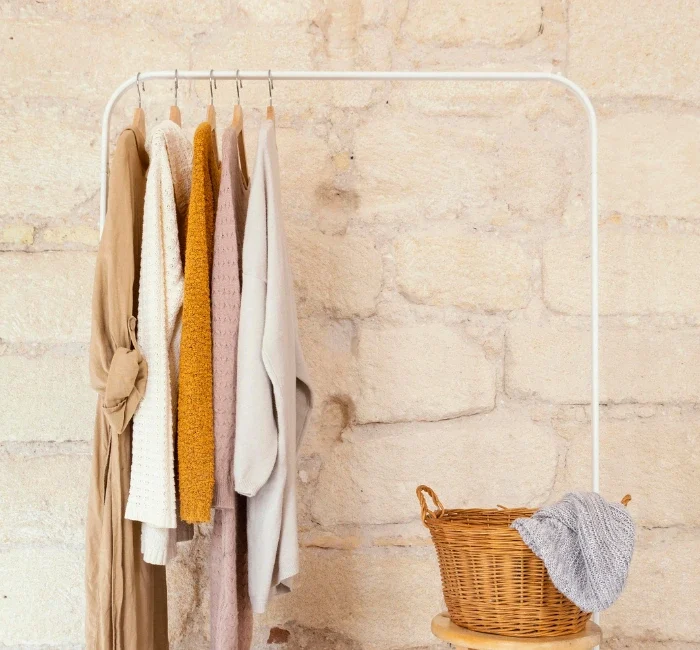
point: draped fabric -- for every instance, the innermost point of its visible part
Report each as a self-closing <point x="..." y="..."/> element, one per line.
<point x="126" y="601"/>
<point x="230" y="609"/>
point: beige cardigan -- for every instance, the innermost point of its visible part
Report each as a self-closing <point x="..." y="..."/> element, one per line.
<point x="273" y="397"/>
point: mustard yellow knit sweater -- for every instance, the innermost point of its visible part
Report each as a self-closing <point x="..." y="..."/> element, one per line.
<point x="195" y="429"/>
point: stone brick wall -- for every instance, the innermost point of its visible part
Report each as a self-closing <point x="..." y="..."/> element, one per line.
<point x="439" y="239"/>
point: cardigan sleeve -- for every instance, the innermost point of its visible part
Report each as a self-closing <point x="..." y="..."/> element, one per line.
<point x="256" y="428"/>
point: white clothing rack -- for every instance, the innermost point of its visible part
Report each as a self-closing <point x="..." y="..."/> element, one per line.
<point x="264" y="75"/>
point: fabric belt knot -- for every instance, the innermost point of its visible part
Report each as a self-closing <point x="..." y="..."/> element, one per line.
<point x="126" y="383"/>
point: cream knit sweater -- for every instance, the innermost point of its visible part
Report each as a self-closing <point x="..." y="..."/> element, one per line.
<point x="152" y="496"/>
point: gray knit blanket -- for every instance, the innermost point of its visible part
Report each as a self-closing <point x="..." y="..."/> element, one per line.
<point x="586" y="544"/>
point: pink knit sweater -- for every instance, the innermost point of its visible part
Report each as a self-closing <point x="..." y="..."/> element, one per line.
<point x="231" y="615"/>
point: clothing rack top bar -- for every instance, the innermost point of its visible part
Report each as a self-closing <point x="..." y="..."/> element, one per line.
<point x="277" y="75"/>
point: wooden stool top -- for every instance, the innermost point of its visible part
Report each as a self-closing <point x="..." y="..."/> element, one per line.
<point x="446" y="630"/>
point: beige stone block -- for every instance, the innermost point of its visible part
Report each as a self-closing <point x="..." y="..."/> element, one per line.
<point x="115" y="50"/>
<point x="329" y="419"/>
<point x="81" y="234"/>
<point x="629" y="48"/>
<point x="627" y="643"/>
<point x="45" y="498"/>
<point x="503" y="23"/>
<point x="661" y="598"/>
<point x="655" y="459"/>
<point x="373" y="12"/>
<point x="551" y="361"/>
<point x="640" y="273"/>
<point x="27" y="9"/>
<point x="648" y="163"/>
<point x="410" y="166"/>
<point x="468" y="271"/>
<point x="17" y="233"/>
<point x="374" y="599"/>
<point x="52" y="165"/>
<point x="484" y="98"/>
<point x="46" y="296"/>
<point x="206" y="11"/>
<point x="328" y="351"/>
<point x="261" y="44"/>
<point x="342" y="23"/>
<point x="43" y="596"/>
<point x="372" y="474"/>
<point x="306" y="169"/>
<point x="341" y="276"/>
<point x="279" y="13"/>
<point x="188" y="593"/>
<point x="324" y="540"/>
<point x="60" y="383"/>
<point x="423" y="372"/>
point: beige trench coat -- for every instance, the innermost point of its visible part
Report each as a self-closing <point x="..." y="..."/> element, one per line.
<point x="126" y="598"/>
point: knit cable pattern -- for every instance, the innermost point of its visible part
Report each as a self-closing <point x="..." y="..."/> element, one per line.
<point x="586" y="544"/>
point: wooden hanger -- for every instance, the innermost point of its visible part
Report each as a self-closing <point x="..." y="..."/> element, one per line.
<point x="237" y="124"/>
<point x="270" y="86"/>
<point x="139" y="121"/>
<point x="175" y="115"/>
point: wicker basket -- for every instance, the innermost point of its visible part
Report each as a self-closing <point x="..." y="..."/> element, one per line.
<point x="492" y="582"/>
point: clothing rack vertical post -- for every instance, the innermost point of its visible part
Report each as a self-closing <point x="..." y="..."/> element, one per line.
<point x="264" y="75"/>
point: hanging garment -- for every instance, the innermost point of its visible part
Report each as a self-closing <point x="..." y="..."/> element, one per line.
<point x="273" y="392"/>
<point x="195" y="439"/>
<point x="126" y="600"/>
<point x="152" y="496"/>
<point x="231" y="614"/>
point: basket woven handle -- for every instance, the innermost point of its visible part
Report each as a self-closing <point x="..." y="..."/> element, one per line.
<point x="425" y="511"/>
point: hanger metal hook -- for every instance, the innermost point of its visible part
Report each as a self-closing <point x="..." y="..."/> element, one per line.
<point x="211" y="90"/>
<point x="270" y="85"/>
<point x="239" y="85"/>
<point x="176" y="84"/>
<point x="138" y="88"/>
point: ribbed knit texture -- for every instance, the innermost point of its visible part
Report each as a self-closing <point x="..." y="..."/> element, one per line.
<point x="152" y="497"/>
<point x="586" y="544"/>
<point x="195" y="442"/>
<point x="230" y="608"/>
